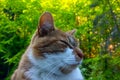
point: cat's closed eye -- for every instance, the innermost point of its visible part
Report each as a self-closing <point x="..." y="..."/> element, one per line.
<point x="72" y="41"/>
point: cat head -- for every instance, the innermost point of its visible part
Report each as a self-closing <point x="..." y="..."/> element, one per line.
<point x="54" y="47"/>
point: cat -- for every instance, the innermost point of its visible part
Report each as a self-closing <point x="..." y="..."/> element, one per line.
<point x="51" y="55"/>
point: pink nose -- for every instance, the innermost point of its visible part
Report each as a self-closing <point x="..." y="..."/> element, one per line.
<point x="78" y="52"/>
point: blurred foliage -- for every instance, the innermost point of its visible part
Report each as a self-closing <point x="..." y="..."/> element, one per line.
<point x="98" y="30"/>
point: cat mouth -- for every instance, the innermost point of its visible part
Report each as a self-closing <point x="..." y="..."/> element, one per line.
<point x="73" y="64"/>
<point x="72" y="61"/>
<point x="67" y="69"/>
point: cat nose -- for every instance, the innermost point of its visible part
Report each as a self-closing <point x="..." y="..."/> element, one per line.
<point x="78" y="52"/>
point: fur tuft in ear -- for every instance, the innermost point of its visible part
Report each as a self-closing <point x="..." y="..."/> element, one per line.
<point x="72" y="32"/>
<point x="46" y="24"/>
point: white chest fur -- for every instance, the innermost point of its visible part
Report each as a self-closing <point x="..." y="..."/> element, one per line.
<point x="48" y="69"/>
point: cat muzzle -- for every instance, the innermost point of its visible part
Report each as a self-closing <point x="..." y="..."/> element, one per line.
<point x="79" y="53"/>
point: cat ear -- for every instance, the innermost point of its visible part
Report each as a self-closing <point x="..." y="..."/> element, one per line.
<point x="72" y="32"/>
<point x="46" y="24"/>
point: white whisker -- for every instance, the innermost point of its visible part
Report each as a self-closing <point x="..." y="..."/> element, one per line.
<point x="52" y="71"/>
<point x="48" y="65"/>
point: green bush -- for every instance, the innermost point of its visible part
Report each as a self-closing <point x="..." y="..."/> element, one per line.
<point x="97" y="24"/>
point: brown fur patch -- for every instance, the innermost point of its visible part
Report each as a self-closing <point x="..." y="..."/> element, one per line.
<point x="49" y="44"/>
<point x="24" y="65"/>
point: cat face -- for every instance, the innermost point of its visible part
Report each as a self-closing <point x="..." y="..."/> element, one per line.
<point x="54" y="49"/>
